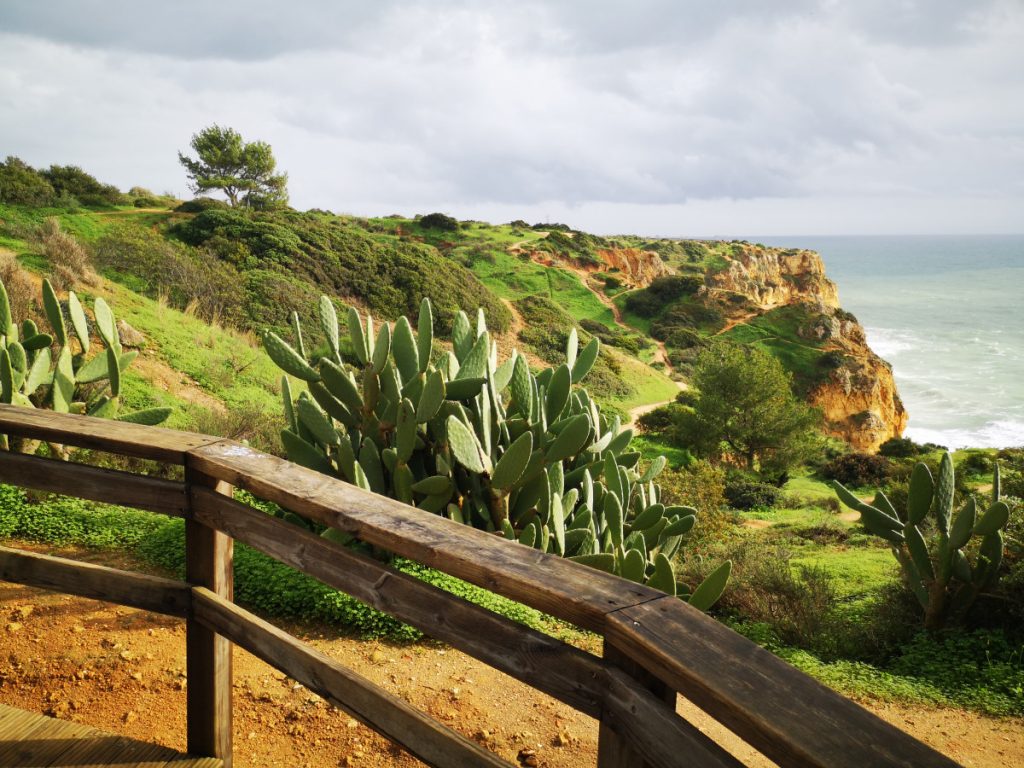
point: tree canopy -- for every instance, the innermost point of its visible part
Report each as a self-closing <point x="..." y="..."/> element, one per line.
<point x="747" y="410"/>
<point x="243" y="171"/>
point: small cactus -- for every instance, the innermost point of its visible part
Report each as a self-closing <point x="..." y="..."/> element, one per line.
<point x="42" y="370"/>
<point x="529" y="457"/>
<point x="945" y="571"/>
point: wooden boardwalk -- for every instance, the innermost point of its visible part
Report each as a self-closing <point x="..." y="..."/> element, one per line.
<point x="28" y="740"/>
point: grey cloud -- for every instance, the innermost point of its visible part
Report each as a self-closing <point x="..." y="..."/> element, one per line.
<point x="658" y="103"/>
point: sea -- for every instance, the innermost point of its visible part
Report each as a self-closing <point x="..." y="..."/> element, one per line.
<point x="948" y="313"/>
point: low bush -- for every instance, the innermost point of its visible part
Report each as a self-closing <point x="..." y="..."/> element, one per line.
<point x="796" y="603"/>
<point x="745" y="493"/>
<point x="439" y="221"/>
<point x="70" y="264"/>
<point x="701" y="486"/>
<point x="901" y="448"/>
<point x="858" y="469"/>
<point x="247" y="423"/>
<point x="186" y="276"/>
<point x="21" y="184"/>
<point x="22" y="296"/>
<point x="72" y="181"/>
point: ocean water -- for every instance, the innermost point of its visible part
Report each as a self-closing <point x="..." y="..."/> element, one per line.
<point x="948" y="314"/>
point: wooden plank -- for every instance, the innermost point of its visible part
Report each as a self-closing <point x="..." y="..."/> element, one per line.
<point x="39" y="745"/>
<point x="101" y="434"/>
<point x="209" y="560"/>
<point x="780" y="711"/>
<point x="151" y="593"/>
<point x="568" y="674"/>
<point x="623" y="742"/>
<point x="85" y="482"/>
<point x="28" y="739"/>
<point x="558" y="669"/>
<point x="392" y="717"/>
<point x="568" y="590"/>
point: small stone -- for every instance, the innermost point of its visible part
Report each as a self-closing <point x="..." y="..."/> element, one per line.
<point x="377" y="657"/>
<point x="127" y="655"/>
<point x="528" y="757"/>
<point x="137" y="676"/>
<point x="14" y="626"/>
<point x="352" y="723"/>
<point x="23" y="612"/>
<point x="128" y="717"/>
<point x="562" y="739"/>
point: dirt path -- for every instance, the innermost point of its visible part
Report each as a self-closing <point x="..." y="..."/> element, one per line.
<point x="123" y="671"/>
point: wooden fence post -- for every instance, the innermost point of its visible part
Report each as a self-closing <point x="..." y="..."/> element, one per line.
<point x="612" y="750"/>
<point x="208" y="563"/>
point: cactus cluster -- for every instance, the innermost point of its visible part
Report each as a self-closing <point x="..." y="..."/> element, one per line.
<point x="530" y="457"/>
<point x="40" y="370"/>
<point x="946" y="570"/>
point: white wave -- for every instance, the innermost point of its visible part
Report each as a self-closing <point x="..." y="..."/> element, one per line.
<point x="888" y="342"/>
<point x="995" y="434"/>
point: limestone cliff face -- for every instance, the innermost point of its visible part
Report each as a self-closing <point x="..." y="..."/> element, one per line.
<point x="637" y="267"/>
<point x="858" y="395"/>
<point x="772" y="277"/>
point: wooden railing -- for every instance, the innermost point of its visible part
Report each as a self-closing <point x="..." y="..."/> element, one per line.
<point x="654" y="645"/>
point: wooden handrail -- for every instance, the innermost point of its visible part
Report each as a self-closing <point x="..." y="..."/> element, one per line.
<point x="655" y="644"/>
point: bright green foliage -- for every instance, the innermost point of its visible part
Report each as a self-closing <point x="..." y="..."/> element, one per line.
<point x="746" y="410"/>
<point x="244" y="171"/>
<point x="944" y="570"/>
<point x="497" y="447"/>
<point x="43" y="370"/>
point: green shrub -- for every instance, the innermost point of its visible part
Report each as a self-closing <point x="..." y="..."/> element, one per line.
<point x="21" y="184"/>
<point x="858" y="469"/>
<point x="745" y="493"/>
<point x="72" y="181"/>
<point x="797" y="603"/>
<point x="901" y="448"/>
<point x="439" y="221"/>
<point x="338" y="257"/>
<point x="69" y="263"/>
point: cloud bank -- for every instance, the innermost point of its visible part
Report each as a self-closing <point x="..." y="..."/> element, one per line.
<point x="666" y="117"/>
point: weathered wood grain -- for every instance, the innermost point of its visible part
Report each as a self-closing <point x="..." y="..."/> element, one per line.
<point x="548" y="664"/>
<point x="101" y="434"/>
<point x="84" y="482"/>
<point x="387" y="714"/>
<point x="30" y="740"/>
<point x="547" y="582"/>
<point x="570" y="675"/>
<point x="151" y="593"/>
<point x="780" y="711"/>
<point x="209" y="561"/>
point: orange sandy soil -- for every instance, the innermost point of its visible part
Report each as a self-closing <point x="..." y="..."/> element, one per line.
<point x="123" y="671"/>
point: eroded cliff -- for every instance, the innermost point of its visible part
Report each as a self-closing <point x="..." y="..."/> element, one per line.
<point x="853" y="387"/>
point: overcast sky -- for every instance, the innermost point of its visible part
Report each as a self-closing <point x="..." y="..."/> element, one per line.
<point x="665" y="117"/>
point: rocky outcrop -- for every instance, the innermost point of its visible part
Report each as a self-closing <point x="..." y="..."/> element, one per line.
<point x="773" y="277"/>
<point x="858" y="396"/>
<point x="636" y="267"/>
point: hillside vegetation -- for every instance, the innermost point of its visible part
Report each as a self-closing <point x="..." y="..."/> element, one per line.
<point x="198" y="280"/>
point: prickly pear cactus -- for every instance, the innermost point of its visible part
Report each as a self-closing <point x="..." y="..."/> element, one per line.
<point x="487" y="444"/>
<point x="946" y="570"/>
<point x="44" y="370"/>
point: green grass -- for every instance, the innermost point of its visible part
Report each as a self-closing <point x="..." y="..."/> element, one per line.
<point x="857" y="570"/>
<point x="778" y="333"/>
<point x="981" y="671"/>
<point x="803" y="483"/>
<point x="649" y="385"/>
